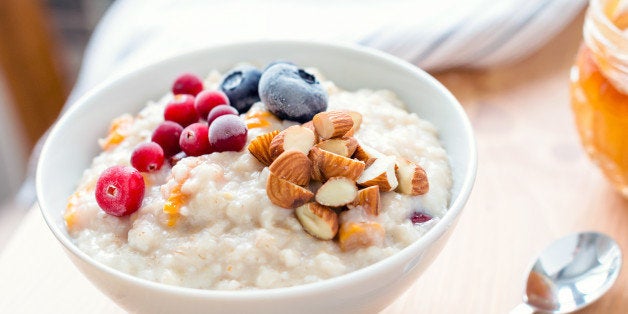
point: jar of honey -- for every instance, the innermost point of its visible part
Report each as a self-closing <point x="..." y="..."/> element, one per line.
<point x="599" y="89"/>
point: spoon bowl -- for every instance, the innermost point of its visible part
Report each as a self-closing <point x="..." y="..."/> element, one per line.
<point x="572" y="273"/>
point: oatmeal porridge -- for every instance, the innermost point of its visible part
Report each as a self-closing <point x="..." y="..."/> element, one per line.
<point x="260" y="195"/>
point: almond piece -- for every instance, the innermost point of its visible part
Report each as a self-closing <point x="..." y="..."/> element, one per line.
<point x="293" y="166"/>
<point x="412" y="178"/>
<point x="319" y="221"/>
<point x="294" y="137"/>
<point x="356" y="235"/>
<point x="362" y="155"/>
<point x="357" y="121"/>
<point x="366" y="154"/>
<point x="368" y="200"/>
<point x="286" y="194"/>
<point x="329" y="124"/>
<point x="334" y="165"/>
<point x="336" y="192"/>
<point x="341" y="146"/>
<point x="260" y="147"/>
<point x="309" y="125"/>
<point x="316" y="155"/>
<point x="380" y="173"/>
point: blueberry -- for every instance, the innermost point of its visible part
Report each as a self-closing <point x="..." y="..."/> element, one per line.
<point x="270" y="64"/>
<point x="292" y="93"/>
<point x="240" y="86"/>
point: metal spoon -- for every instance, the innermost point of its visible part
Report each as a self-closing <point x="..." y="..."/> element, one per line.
<point x="571" y="273"/>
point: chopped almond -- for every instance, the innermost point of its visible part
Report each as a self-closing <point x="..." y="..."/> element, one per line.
<point x="309" y="125"/>
<point x="336" y="192"/>
<point x="295" y="137"/>
<point x="341" y="146"/>
<point x="412" y="178"/>
<point x="260" y="147"/>
<point x="368" y="199"/>
<point x="356" y="235"/>
<point x="380" y="173"/>
<point x="319" y="221"/>
<point x="366" y="154"/>
<point x="361" y="154"/>
<point x="330" y="124"/>
<point x="334" y="165"/>
<point x="286" y="194"/>
<point x="293" y="166"/>
<point x="357" y="121"/>
<point x="315" y="156"/>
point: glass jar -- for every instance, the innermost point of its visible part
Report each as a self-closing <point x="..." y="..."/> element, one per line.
<point x="599" y="89"/>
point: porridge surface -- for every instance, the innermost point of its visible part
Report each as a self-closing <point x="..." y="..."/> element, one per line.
<point x="228" y="234"/>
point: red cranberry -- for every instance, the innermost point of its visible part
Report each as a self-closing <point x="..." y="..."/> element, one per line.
<point x="208" y="99"/>
<point x="167" y="136"/>
<point x="181" y="110"/>
<point x="120" y="190"/>
<point x="194" y="140"/>
<point x="419" y="218"/>
<point x="220" y="110"/>
<point x="187" y="83"/>
<point x="227" y="133"/>
<point x="147" y="157"/>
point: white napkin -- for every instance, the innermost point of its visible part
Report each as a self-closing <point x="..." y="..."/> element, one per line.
<point x="434" y="35"/>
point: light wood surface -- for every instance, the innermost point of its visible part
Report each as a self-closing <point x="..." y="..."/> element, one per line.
<point x="534" y="185"/>
<point x="30" y="63"/>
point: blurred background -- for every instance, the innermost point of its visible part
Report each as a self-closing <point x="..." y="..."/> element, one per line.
<point x="508" y="62"/>
<point x="41" y="46"/>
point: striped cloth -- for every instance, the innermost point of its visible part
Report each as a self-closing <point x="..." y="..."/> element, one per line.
<point x="434" y="35"/>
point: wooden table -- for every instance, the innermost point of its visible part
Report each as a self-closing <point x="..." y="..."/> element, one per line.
<point x="31" y="66"/>
<point x="534" y="184"/>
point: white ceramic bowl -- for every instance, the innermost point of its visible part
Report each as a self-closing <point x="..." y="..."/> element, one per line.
<point x="72" y="144"/>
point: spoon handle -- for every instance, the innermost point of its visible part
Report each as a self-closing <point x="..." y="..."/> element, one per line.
<point x="523" y="308"/>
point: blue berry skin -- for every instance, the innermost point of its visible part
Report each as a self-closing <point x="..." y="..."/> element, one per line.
<point x="270" y="64"/>
<point x="240" y="86"/>
<point x="291" y="93"/>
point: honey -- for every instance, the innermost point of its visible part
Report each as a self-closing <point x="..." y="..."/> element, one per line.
<point x="257" y="119"/>
<point x="176" y="197"/>
<point x="71" y="214"/>
<point x="117" y="132"/>
<point x="173" y="205"/>
<point x="599" y="91"/>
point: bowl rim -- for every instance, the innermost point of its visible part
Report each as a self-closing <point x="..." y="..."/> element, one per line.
<point x="454" y="210"/>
